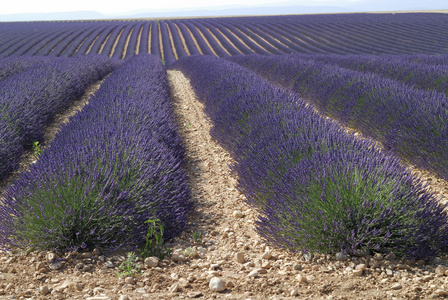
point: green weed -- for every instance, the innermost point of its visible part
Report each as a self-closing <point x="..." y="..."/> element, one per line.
<point x="129" y="267"/>
<point x="154" y="245"/>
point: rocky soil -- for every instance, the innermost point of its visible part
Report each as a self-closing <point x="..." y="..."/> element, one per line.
<point x="220" y="256"/>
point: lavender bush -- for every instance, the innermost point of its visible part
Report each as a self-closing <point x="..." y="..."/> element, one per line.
<point x="30" y="100"/>
<point x="317" y="188"/>
<point x="115" y="165"/>
<point x="418" y="75"/>
<point x="13" y="65"/>
<point x="411" y="123"/>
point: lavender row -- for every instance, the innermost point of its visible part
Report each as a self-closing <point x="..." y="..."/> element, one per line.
<point x="411" y="123"/>
<point x="30" y="100"/>
<point x="330" y="34"/>
<point x="187" y="37"/>
<point x="168" y="54"/>
<point x="316" y="187"/>
<point x="115" y="165"/>
<point x="422" y="76"/>
<point x="13" y="65"/>
<point x="132" y="41"/>
<point x="177" y="41"/>
<point x="155" y="47"/>
<point x="121" y="42"/>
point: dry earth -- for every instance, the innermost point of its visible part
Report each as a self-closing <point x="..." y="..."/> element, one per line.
<point x="229" y="253"/>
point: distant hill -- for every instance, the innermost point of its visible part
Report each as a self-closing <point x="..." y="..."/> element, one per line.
<point x="74" y="15"/>
<point x="282" y="8"/>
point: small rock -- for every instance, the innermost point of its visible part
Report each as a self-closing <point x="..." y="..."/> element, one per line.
<point x="239" y="257"/>
<point x="86" y="254"/>
<point x="298" y="267"/>
<point x="402" y="266"/>
<point x="75" y="286"/>
<point x="440" y="270"/>
<point x="230" y="284"/>
<point x="44" y="290"/>
<point x="129" y="280"/>
<point x="40" y="265"/>
<point x="109" y="264"/>
<point x="374" y="263"/>
<point x="437" y="261"/>
<point x="102" y="258"/>
<point x="56" y="265"/>
<point x="50" y="256"/>
<point x="238" y="214"/>
<point x="253" y="273"/>
<point x="152" y="261"/>
<point x="98" y="298"/>
<point x="307" y="256"/>
<point x="98" y="290"/>
<point x="96" y="252"/>
<point x="267" y="255"/>
<point x="420" y="262"/>
<point x="217" y="284"/>
<point x="357" y="272"/>
<point x="389" y="272"/>
<point x="294" y="293"/>
<point x="183" y="283"/>
<point x="378" y="257"/>
<point x="175" y="276"/>
<point x="396" y="286"/>
<point x="141" y="291"/>
<point x="361" y="267"/>
<point x="341" y="256"/>
<point x="11" y="260"/>
<point x="300" y="278"/>
<point x="124" y="297"/>
<point x="79" y="266"/>
<point x="390" y="257"/>
<point x="194" y="294"/>
<point x="440" y="292"/>
<point x="174" y="288"/>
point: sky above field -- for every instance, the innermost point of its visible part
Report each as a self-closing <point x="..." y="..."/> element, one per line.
<point x="105" y="7"/>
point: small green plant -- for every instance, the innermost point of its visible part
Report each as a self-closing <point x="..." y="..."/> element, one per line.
<point x="154" y="241"/>
<point x="188" y="125"/>
<point x="197" y="237"/>
<point x="37" y="151"/>
<point x="129" y="267"/>
<point x="163" y="62"/>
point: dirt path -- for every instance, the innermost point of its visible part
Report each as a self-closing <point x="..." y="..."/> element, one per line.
<point x="228" y="249"/>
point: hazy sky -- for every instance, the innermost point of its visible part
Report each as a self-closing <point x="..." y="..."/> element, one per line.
<point x="106" y="7"/>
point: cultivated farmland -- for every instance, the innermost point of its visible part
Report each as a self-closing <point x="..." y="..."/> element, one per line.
<point x="237" y="157"/>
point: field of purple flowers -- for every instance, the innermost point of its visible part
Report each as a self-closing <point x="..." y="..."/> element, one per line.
<point x="278" y="90"/>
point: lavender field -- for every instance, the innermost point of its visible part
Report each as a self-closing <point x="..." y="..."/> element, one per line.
<point x="281" y="92"/>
